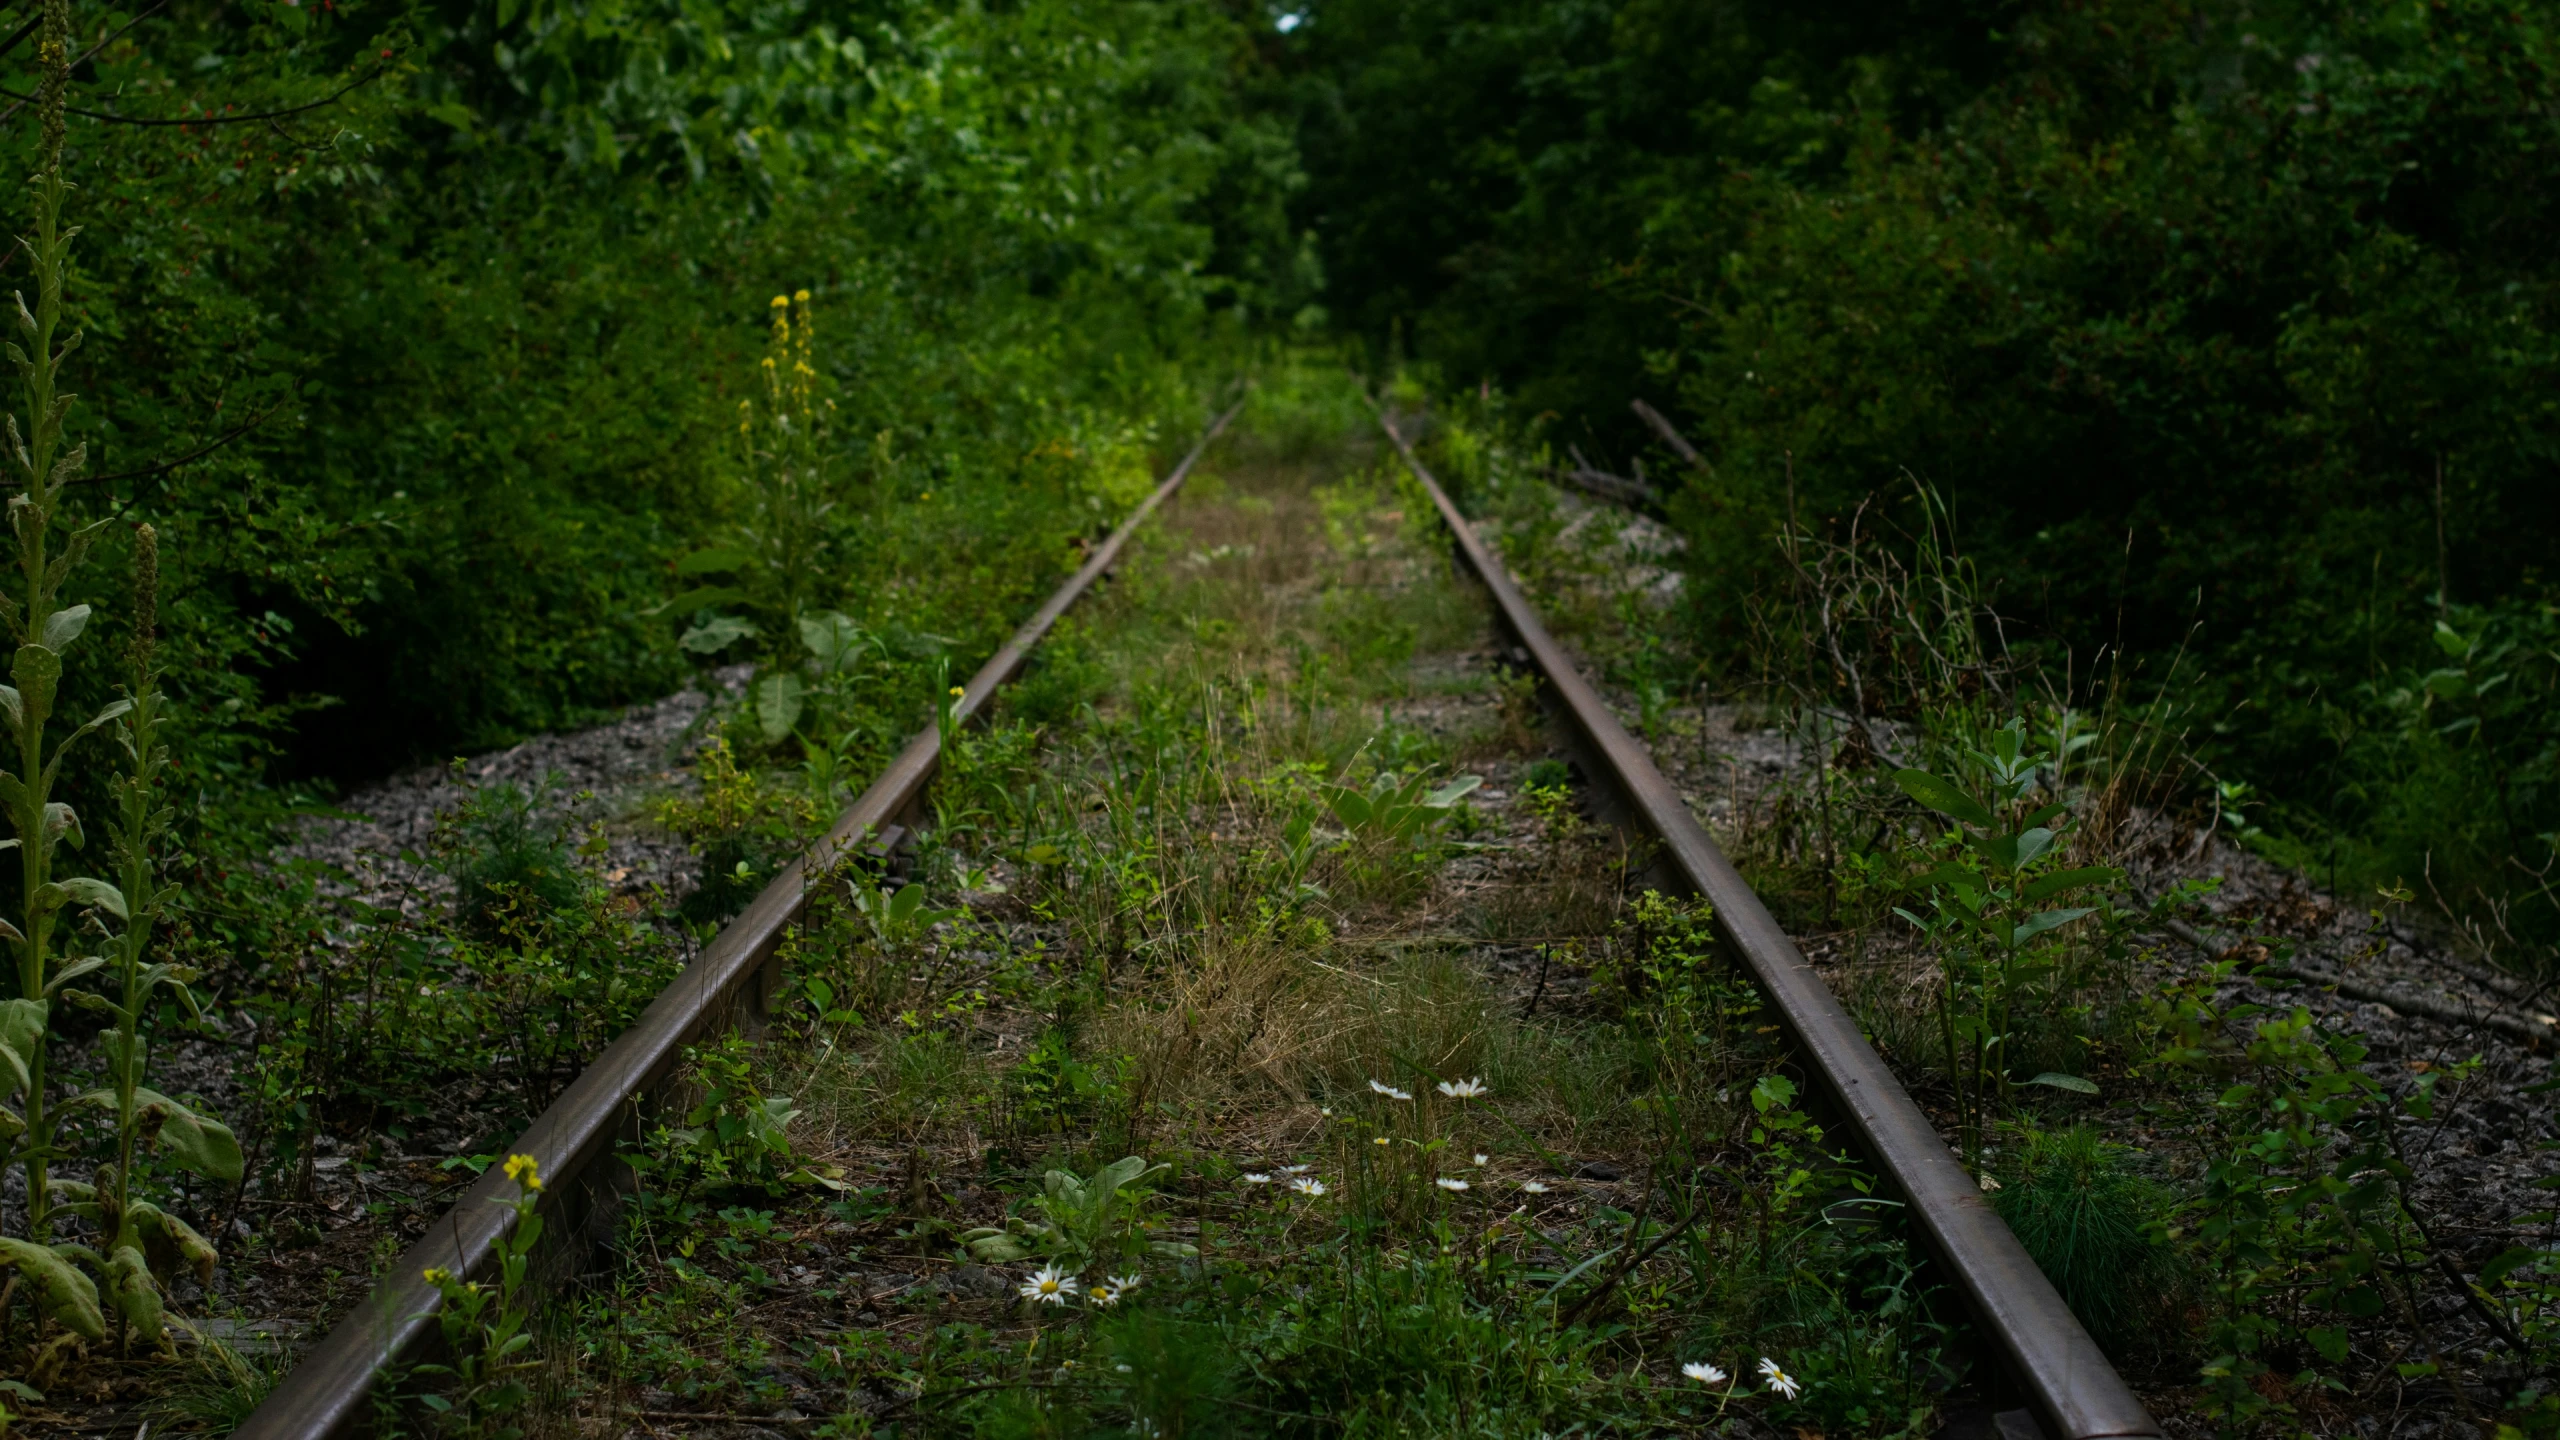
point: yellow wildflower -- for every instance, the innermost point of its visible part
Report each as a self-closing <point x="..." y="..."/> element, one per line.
<point x="525" y="1171"/>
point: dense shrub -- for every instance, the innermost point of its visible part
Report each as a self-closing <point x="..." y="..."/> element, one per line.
<point x="2225" y="330"/>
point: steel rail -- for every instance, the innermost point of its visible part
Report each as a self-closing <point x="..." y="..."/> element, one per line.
<point x="2065" y="1379"/>
<point x="732" y="982"/>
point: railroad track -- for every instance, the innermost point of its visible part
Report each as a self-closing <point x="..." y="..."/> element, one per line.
<point x="2047" y="1360"/>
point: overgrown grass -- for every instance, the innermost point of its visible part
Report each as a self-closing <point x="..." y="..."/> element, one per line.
<point x="1444" y="1130"/>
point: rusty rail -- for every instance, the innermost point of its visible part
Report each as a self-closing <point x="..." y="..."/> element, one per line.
<point x="732" y="981"/>
<point x="2063" y="1376"/>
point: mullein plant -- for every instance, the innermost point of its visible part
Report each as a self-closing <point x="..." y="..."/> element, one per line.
<point x="772" y="555"/>
<point x="44" y="631"/>
<point x="145" y="1245"/>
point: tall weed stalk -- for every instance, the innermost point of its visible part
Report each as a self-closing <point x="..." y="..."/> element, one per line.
<point x="144" y="1244"/>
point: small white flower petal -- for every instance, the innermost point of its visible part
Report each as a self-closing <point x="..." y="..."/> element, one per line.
<point x="1447" y="1182"/>
<point x="1704" y="1374"/>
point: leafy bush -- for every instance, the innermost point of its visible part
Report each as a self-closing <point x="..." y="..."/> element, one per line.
<point x="2215" y="327"/>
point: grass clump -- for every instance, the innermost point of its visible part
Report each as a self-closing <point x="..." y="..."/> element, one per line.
<point x="2096" y="1226"/>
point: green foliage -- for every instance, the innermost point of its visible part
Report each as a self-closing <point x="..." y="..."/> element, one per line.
<point x="734" y="1140"/>
<point x="2301" y="1220"/>
<point x="487" y="1329"/>
<point x="1082" y="1222"/>
<point x="506" y="858"/>
<point x="433" y="384"/>
<point x="2214" y="327"/>
<point x="2095" y="1226"/>
<point x="1999" y="934"/>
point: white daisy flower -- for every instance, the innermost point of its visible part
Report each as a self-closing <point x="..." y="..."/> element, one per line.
<point x="1468" y="1089"/>
<point x="1307" y="1185"/>
<point x="1391" y="1092"/>
<point x="1125" y="1283"/>
<point x="1049" y="1285"/>
<point x="1446" y="1182"/>
<point x="1482" y="1158"/>
<point x="1702" y="1373"/>
<point x="1295" y="1169"/>
<point x="1533" y="1187"/>
<point x="1779" y="1380"/>
<point x="1104" y="1296"/>
<point x="1381" y="1140"/>
<point x="1255" y="1177"/>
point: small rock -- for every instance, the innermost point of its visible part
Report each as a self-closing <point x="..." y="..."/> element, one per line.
<point x="974" y="1282"/>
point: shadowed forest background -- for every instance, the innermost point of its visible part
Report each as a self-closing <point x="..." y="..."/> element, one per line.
<point x="2223" y="332"/>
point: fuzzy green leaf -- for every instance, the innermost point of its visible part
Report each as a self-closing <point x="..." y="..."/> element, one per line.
<point x="172" y="1244"/>
<point x="778" y="704"/>
<point x="22" y="1024"/>
<point x="62" y="627"/>
<point x="88" y="890"/>
<point x="2059" y="1081"/>
<point x="196" y="1141"/>
<point x="131" y="1291"/>
<point x="1449" y="794"/>
<point x="715" y="634"/>
<point x="73" y="971"/>
<point x="60" y="1290"/>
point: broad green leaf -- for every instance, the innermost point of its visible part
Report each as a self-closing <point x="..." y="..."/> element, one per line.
<point x="1945" y="875"/>
<point x="2060" y="1081"/>
<point x="1449" y="794"/>
<point x="1942" y="797"/>
<point x="778" y="704"/>
<point x="2038" y="924"/>
<point x="196" y="1141"/>
<point x="1118" y="1173"/>
<point x="131" y="1291"/>
<point x="13" y="1070"/>
<point x="60" y="1290"/>
<point x="832" y="639"/>
<point x="2031" y="846"/>
<point x="700" y="597"/>
<point x="715" y="560"/>
<point x="2450" y="641"/>
<point x="172" y="1243"/>
<point x="10" y="706"/>
<point x="1349" y="806"/>
<point x="715" y="634"/>
<point x="73" y="971"/>
<point x="2061" y="880"/>
<point x="87" y="890"/>
<point x="61" y="822"/>
<point x="2508" y="1261"/>
<point x="62" y="627"/>
<point x="997" y="1248"/>
<point x="22" y="1024"/>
